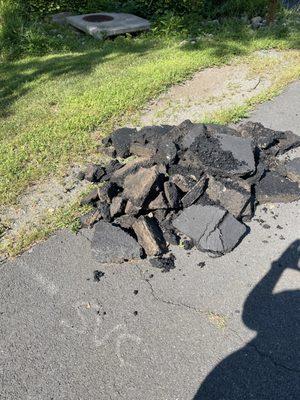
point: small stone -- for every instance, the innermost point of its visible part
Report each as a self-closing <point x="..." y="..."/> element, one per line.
<point x="98" y="275"/>
<point x="110" y="244"/>
<point x="106" y="141"/>
<point x="117" y="206"/>
<point x="164" y="263"/>
<point x="150" y="236"/>
<point x="80" y="175"/>
<point x="256" y="22"/>
<point x="94" y="173"/>
<point x="135" y="292"/>
<point x="172" y="194"/>
<point x="183" y="43"/>
<point x="201" y="264"/>
<point x="266" y="226"/>
<point x="194" y="194"/>
<point x="187" y="244"/>
<point x="138" y="186"/>
<point x="274" y="188"/>
<point x="293" y="169"/>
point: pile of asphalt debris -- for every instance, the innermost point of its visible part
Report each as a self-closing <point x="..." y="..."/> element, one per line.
<point x="189" y="185"/>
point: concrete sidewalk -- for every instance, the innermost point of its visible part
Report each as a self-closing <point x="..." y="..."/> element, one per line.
<point x="141" y="334"/>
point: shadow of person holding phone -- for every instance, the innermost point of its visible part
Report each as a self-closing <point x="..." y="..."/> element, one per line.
<point x="268" y="367"/>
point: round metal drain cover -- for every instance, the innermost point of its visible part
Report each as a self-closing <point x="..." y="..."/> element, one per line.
<point x="97" y="18"/>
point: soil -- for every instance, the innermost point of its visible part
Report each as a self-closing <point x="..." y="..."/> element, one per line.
<point x="38" y="202"/>
<point x="213" y="89"/>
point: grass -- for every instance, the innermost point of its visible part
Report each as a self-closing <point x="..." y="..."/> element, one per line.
<point x="55" y="108"/>
<point x="51" y="104"/>
<point x="65" y="217"/>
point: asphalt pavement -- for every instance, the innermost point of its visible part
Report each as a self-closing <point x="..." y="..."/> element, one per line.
<point x="212" y="329"/>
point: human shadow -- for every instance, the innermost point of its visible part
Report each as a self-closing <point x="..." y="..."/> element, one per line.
<point x="268" y="367"/>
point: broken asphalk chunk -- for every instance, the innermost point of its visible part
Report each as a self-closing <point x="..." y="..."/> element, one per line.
<point x="193" y="179"/>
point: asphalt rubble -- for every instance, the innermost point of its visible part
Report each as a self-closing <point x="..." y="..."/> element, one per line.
<point x="192" y="185"/>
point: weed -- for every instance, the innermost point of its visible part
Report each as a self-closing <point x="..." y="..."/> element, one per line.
<point x="66" y="217"/>
<point x="238" y="112"/>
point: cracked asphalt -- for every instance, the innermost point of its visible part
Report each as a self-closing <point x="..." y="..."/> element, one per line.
<point x="213" y="328"/>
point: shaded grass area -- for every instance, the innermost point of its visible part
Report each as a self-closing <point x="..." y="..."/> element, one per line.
<point x="50" y="105"/>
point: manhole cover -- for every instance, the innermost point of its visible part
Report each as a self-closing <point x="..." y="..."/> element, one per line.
<point x="97" y="18"/>
<point x="102" y="24"/>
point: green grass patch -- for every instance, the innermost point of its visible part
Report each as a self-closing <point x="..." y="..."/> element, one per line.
<point x="51" y="104"/>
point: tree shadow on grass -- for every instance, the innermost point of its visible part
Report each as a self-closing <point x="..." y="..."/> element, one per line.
<point x="268" y="367"/>
<point x="17" y="76"/>
<point x="228" y="41"/>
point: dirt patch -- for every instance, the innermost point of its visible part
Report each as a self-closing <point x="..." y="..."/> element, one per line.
<point x="42" y="198"/>
<point x="39" y="202"/>
<point x="214" y="89"/>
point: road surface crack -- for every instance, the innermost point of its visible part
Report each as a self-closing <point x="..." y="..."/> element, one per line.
<point x="173" y="303"/>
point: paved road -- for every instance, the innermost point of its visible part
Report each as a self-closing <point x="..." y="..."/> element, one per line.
<point x="228" y="330"/>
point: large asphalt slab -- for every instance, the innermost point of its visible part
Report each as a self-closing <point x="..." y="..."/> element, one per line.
<point x="227" y="330"/>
